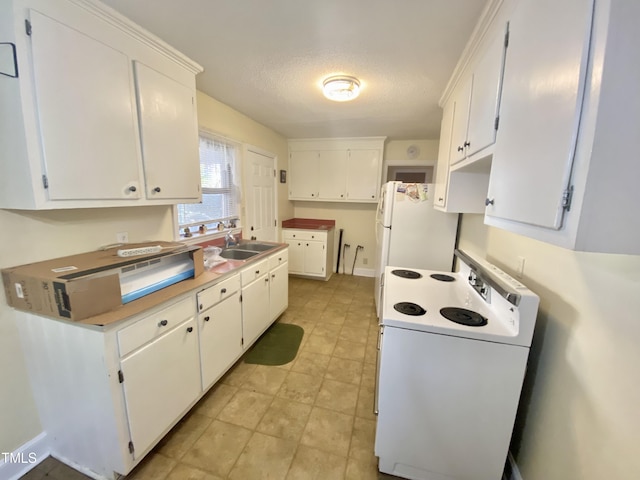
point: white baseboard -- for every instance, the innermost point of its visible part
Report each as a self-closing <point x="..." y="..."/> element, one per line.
<point x="364" y="272"/>
<point x="15" y="464"/>
<point x="512" y="472"/>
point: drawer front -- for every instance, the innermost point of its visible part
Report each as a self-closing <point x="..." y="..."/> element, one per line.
<point x="218" y="292"/>
<point x="304" y="235"/>
<point x="254" y="271"/>
<point x="278" y="259"/>
<point x="154" y="325"/>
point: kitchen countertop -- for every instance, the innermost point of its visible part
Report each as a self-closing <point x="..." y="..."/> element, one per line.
<point x="219" y="272"/>
<point x="309" y="224"/>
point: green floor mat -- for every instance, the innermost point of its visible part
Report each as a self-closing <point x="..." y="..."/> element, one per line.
<point x="277" y="346"/>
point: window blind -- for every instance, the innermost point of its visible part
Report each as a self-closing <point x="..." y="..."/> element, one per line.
<point x="219" y="190"/>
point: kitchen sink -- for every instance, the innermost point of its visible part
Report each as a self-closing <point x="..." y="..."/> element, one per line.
<point x="255" y="246"/>
<point x="237" y="254"/>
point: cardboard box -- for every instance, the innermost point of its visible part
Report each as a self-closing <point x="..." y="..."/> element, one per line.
<point x="81" y="286"/>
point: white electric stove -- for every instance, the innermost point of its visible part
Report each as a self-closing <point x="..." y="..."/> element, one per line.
<point x="453" y="354"/>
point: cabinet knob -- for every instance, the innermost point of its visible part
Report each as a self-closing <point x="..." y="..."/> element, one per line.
<point x="132" y="188"/>
<point x="273" y="275"/>
<point x="467" y="144"/>
<point x="373" y="196"/>
<point x="342" y="195"/>
<point x="200" y="307"/>
<point x="488" y="201"/>
<point x="189" y="329"/>
<point x="207" y="318"/>
<point x="163" y="323"/>
<point x="313" y="194"/>
<point x="223" y="290"/>
<point x="461" y="149"/>
<point x="266" y="279"/>
<point x="157" y="190"/>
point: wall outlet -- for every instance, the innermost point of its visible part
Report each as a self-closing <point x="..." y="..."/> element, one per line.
<point x="365" y="261"/>
<point x="122" y="237"/>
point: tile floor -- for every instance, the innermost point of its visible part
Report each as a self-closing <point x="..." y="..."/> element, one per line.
<point x="309" y="419"/>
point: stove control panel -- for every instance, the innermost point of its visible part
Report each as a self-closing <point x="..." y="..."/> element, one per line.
<point x="480" y="286"/>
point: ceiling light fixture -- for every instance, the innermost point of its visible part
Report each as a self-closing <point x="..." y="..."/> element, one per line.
<point x="341" y="88"/>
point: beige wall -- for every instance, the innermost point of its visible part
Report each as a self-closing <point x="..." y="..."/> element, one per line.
<point x="32" y="236"/>
<point x="579" y="415"/>
<point x="223" y="120"/>
<point x="357" y="220"/>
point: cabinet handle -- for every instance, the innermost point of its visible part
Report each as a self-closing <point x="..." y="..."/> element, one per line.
<point x="223" y="290"/>
<point x="200" y="307"/>
<point x="488" y="201"/>
<point x="467" y="144"/>
<point x="163" y="323"/>
<point x="189" y="329"/>
<point x="257" y="272"/>
<point x="157" y="189"/>
<point x="273" y="275"/>
<point x="207" y="318"/>
<point x="132" y="188"/>
<point x="461" y="149"/>
<point x="266" y="279"/>
<point x="440" y="199"/>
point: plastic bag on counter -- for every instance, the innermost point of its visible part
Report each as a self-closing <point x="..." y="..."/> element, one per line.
<point x="212" y="257"/>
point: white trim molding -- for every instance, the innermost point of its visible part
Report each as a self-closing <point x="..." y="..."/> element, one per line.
<point x="15" y="464"/>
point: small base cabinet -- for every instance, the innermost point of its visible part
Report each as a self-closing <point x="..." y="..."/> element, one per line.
<point x="310" y="252"/>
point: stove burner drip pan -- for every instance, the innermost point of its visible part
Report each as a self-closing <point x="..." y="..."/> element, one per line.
<point x="406" y="274"/>
<point x="463" y="316"/>
<point x="409" y="308"/>
<point x="442" y="277"/>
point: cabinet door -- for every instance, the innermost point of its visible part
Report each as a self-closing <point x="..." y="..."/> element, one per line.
<point x="255" y="309"/>
<point x="332" y="175"/>
<point x="161" y="380"/>
<point x="86" y="116"/>
<point x="483" y="111"/>
<point x="303" y="175"/>
<point x="169" y="133"/>
<point x="314" y="257"/>
<point x="363" y="175"/>
<point x="539" y="113"/>
<point x="296" y="256"/>
<point x="278" y="290"/>
<point x="220" y="338"/>
<point x="462" y="99"/>
<point x="442" y="171"/>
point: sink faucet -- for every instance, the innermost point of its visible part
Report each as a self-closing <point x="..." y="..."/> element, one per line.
<point x="229" y="240"/>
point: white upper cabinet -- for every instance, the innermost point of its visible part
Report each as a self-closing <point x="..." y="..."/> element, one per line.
<point x="304" y="183"/>
<point x="470" y="118"/>
<point x="83" y="160"/>
<point x="336" y="169"/>
<point x="169" y="134"/>
<point x="564" y="169"/>
<point x="100" y="113"/>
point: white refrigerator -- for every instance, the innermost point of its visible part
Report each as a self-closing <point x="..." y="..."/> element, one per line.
<point x="410" y="233"/>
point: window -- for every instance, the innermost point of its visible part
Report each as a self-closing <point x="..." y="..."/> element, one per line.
<point x="220" y="198"/>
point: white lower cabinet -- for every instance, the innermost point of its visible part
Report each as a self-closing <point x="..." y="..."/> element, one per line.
<point x="106" y="395"/>
<point x="278" y="290"/>
<point x="220" y="329"/>
<point x="310" y="252"/>
<point x="255" y="302"/>
<point x="160" y="381"/>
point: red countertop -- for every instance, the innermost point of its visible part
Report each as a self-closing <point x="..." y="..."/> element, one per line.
<point x="309" y="224"/>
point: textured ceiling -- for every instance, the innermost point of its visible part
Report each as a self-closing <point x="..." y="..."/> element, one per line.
<point x="267" y="58"/>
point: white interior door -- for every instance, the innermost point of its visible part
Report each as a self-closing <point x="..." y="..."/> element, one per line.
<point x="260" y="194"/>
